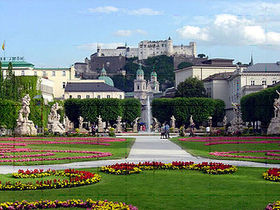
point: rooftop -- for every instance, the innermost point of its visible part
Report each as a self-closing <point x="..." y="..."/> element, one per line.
<point x="264" y="67"/>
<point x="5" y="64"/>
<point x="219" y="76"/>
<point x="89" y="87"/>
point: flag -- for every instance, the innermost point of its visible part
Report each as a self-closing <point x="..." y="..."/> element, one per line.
<point x="3" y="46"/>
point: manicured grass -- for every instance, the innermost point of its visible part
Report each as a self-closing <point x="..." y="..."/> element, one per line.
<point x="199" y="149"/>
<point x="159" y="189"/>
<point x="118" y="149"/>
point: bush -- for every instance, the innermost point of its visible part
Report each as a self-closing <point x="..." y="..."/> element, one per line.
<point x="8" y="113"/>
<point x="183" y="108"/>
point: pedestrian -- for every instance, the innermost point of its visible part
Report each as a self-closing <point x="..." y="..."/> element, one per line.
<point x="167" y="128"/>
<point x="162" y="132"/>
<point x="192" y="129"/>
<point x="93" y="130"/>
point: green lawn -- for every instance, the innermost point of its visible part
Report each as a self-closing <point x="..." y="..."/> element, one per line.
<point x="199" y="149"/>
<point x="159" y="189"/>
<point x="118" y="149"/>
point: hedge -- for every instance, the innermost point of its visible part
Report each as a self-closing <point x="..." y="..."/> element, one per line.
<point x="183" y="108"/>
<point x="259" y="106"/>
<point x="108" y="109"/>
<point x="8" y="113"/>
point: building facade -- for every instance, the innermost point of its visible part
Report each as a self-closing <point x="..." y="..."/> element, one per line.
<point x="91" y="89"/>
<point x="205" y="69"/>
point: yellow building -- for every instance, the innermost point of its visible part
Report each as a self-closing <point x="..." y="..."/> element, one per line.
<point x="59" y="76"/>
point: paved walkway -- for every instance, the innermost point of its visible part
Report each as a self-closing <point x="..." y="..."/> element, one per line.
<point x="145" y="148"/>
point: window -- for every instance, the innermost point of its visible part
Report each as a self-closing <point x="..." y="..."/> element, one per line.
<point x="64" y="73"/>
<point x="120" y="96"/>
<point x="44" y="73"/>
<point x="99" y="96"/>
<point x="274" y="82"/>
<point x="264" y="82"/>
<point x="63" y="84"/>
<point x="53" y="73"/>
<point x="108" y="96"/>
<point x="35" y="73"/>
<point x="138" y="87"/>
<point x="87" y="96"/>
<point x="22" y="73"/>
<point x="79" y="97"/>
<point x="252" y="82"/>
<point x="70" y="96"/>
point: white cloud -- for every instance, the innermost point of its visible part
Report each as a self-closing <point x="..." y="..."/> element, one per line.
<point x="144" y="11"/>
<point x="93" y="46"/>
<point x="227" y="29"/>
<point x="106" y="9"/>
<point x="126" y="33"/>
<point x="112" y="9"/>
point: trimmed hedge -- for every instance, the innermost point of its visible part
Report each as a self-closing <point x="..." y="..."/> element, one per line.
<point x="183" y="108"/>
<point x="109" y="109"/>
<point x="259" y="106"/>
<point x="8" y="113"/>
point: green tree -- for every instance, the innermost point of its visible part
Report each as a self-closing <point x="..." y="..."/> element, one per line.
<point x="184" y="65"/>
<point x="191" y="87"/>
<point x="1" y="81"/>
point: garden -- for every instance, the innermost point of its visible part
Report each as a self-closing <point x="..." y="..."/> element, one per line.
<point x="57" y="150"/>
<point x="263" y="149"/>
<point x="177" y="185"/>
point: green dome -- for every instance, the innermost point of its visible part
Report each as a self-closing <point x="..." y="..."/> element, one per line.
<point x="104" y="77"/>
<point x="154" y="74"/>
<point x="107" y="80"/>
<point x="140" y="70"/>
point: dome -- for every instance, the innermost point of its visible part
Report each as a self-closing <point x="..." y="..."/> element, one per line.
<point x="104" y="77"/>
<point x="140" y="70"/>
<point x="154" y="74"/>
<point x="107" y="80"/>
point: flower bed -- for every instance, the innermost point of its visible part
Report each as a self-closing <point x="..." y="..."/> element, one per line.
<point x="75" y="203"/>
<point x="272" y="174"/>
<point x="228" y="154"/>
<point x="76" y="178"/>
<point x="131" y="168"/>
<point x="273" y="206"/>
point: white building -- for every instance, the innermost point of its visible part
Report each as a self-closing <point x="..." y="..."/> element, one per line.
<point x="91" y="89"/>
<point x="204" y="69"/>
<point x="231" y="87"/>
<point x="149" y="49"/>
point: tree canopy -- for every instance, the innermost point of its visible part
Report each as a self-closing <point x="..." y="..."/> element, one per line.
<point x="184" y="65"/>
<point x="191" y="87"/>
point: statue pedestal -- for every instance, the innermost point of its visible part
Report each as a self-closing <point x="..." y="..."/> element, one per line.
<point x="274" y="126"/>
<point x="25" y="128"/>
<point x="56" y="127"/>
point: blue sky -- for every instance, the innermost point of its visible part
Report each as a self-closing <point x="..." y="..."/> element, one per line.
<point x="58" y="33"/>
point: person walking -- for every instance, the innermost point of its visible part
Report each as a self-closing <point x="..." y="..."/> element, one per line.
<point x="167" y="128"/>
<point x="162" y="132"/>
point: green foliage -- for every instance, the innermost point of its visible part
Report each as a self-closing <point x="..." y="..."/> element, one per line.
<point x="131" y="109"/>
<point x="8" y="113"/>
<point x="108" y="109"/>
<point x="259" y="106"/>
<point x="183" y="108"/>
<point x="201" y="55"/>
<point x="1" y="81"/>
<point x="124" y="83"/>
<point x="191" y="87"/>
<point x="184" y="65"/>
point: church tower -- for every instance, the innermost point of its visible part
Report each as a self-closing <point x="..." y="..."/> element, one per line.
<point x="153" y="84"/>
<point x="140" y="85"/>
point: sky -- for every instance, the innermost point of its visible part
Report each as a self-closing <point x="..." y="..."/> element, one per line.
<point x="58" y="33"/>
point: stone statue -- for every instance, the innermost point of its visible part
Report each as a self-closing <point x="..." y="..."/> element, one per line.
<point x="173" y="122"/>
<point x="237" y="122"/>
<point x="54" y="125"/>
<point x="225" y="121"/>
<point x="25" y="126"/>
<point x="135" y="125"/>
<point x="81" y="122"/>
<point x="119" y="125"/>
<point x="156" y="125"/>
<point x="191" y="120"/>
<point x="67" y="124"/>
<point x="100" y="124"/>
<point x="274" y="127"/>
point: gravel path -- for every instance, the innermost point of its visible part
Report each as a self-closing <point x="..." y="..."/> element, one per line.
<point x="145" y="148"/>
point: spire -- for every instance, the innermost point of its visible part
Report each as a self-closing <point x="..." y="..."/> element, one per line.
<point x="251" y="62"/>
<point x="103" y="71"/>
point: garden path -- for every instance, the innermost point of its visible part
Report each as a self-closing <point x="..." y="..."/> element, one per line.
<point x="145" y="148"/>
